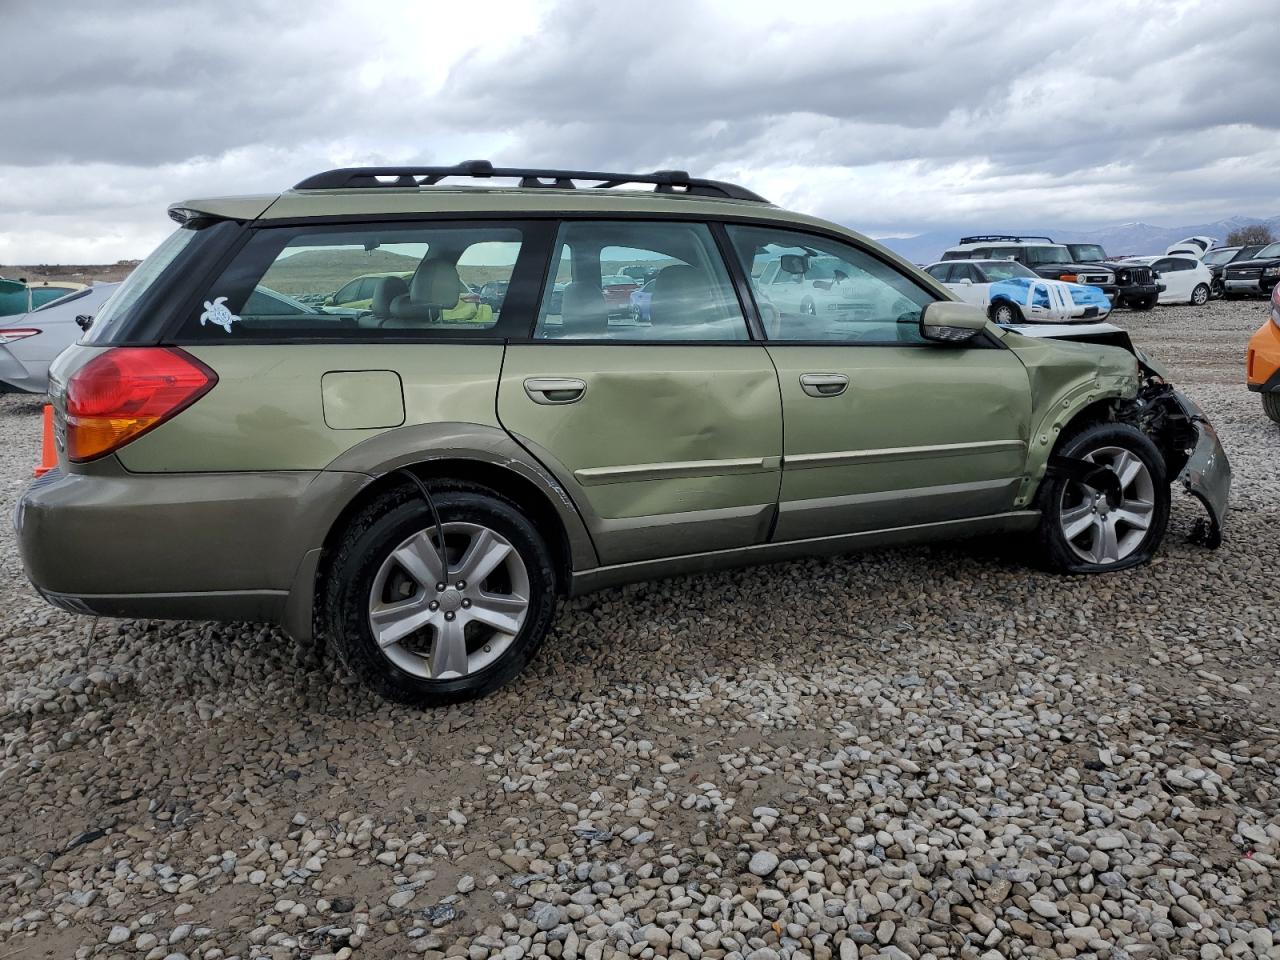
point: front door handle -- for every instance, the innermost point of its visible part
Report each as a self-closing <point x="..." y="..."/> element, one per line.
<point x="824" y="384"/>
<point x="555" y="390"/>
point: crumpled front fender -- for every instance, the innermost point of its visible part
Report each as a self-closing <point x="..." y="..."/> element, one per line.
<point x="1207" y="474"/>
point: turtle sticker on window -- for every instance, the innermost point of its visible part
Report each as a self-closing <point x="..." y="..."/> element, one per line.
<point x="217" y="313"/>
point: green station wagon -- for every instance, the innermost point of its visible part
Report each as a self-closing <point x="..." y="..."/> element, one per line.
<point x="418" y="490"/>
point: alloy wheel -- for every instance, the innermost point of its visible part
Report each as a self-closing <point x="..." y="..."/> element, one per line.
<point x="1102" y="532"/>
<point x="443" y="612"/>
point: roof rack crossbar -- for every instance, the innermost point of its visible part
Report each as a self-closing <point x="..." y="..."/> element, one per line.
<point x="671" y="182"/>
<point x="988" y="238"/>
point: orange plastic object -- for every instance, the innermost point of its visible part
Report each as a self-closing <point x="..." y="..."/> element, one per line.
<point x="48" y="452"/>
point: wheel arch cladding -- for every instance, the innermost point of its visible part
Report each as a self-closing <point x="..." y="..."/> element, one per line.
<point x="521" y="491"/>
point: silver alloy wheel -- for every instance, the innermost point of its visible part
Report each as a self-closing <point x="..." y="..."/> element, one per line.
<point x="441" y="618"/>
<point x="1003" y="313"/>
<point x="809" y="308"/>
<point x="1097" y="531"/>
<point x="1200" y="295"/>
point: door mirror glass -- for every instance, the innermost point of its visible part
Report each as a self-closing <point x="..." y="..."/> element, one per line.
<point x="792" y="263"/>
<point x="945" y="321"/>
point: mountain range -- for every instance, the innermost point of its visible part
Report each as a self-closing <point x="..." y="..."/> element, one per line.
<point x="1117" y="239"/>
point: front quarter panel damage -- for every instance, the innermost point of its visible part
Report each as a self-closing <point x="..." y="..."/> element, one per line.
<point x="1068" y="377"/>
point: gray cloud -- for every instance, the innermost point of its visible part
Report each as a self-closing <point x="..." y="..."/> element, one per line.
<point x="891" y="118"/>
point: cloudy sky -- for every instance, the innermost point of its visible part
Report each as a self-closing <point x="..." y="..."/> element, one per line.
<point x="894" y="118"/>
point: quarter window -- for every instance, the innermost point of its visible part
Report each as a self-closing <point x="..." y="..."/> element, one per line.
<point x="832" y="291"/>
<point x="593" y="292"/>
<point x="363" y="281"/>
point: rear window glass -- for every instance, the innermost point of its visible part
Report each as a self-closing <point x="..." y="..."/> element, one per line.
<point x="113" y="313"/>
<point x="362" y="281"/>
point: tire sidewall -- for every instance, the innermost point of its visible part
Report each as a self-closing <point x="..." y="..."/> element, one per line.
<point x="368" y="547"/>
<point x="1207" y="294"/>
<point x="1056" y="551"/>
<point x="1014" y="313"/>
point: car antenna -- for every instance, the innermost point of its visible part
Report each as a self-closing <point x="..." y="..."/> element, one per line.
<point x="435" y="515"/>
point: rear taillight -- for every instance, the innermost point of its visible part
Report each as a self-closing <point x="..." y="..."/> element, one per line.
<point x="119" y="395"/>
<point x="10" y="335"/>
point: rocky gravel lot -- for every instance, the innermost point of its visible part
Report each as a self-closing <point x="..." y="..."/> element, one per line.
<point x="927" y="753"/>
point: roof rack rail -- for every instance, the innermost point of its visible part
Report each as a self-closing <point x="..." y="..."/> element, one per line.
<point x="987" y="238"/>
<point x="674" y="182"/>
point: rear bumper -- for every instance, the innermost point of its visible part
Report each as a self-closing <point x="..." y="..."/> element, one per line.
<point x="176" y="546"/>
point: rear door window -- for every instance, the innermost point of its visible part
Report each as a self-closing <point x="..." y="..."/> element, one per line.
<point x="589" y="297"/>
<point x="369" y="281"/>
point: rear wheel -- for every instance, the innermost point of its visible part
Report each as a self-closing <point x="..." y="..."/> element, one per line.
<point x="1271" y="404"/>
<point x="430" y="623"/>
<point x="1004" y="312"/>
<point x="1200" y="295"/>
<point x="1088" y="530"/>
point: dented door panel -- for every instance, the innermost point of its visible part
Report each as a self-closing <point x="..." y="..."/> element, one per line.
<point x="666" y="448"/>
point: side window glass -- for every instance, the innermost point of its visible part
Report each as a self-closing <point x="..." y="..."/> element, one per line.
<point x="638" y="281"/>
<point x="939" y="271"/>
<point x="360" y="281"/>
<point x="1040" y="296"/>
<point x="841" y="293"/>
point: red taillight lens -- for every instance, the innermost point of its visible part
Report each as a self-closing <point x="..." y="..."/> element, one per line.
<point x="121" y="394"/>
<point x="10" y="334"/>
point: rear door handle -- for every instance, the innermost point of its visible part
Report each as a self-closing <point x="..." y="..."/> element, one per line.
<point x="824" y="384"/>
<point x="555" y="390"/>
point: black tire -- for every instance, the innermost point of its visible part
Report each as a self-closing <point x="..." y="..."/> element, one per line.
<point x="1054" y="550"/>
<point x="374" y="533"/>
<point x="1003" y="311"/>
<point x="1271" y="404"/>
<point x="1143" y="303"/>
<point x="1200" y="295"/>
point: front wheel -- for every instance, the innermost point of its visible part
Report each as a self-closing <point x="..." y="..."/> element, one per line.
<point x="1088" y="530"/>
<point x="1271" y="404"/>
<point x="431" y="623"/>
<point x="1003" y="312"/>
<point x="1200" y="295"/>
<point x="1144" y="303"/>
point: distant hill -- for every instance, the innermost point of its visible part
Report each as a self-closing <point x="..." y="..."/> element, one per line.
<point x="1117" y="238"/>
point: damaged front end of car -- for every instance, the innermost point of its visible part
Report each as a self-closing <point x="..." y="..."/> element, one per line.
<point x="1192" y="451"/>
<point x="1107" y="383"/>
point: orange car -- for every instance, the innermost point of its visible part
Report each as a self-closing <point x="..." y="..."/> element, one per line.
<point x="1262" y="366"/>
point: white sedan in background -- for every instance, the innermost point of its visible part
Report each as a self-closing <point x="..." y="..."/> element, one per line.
<point x="1014" y="293"/>
<point x="1186" y="279"/>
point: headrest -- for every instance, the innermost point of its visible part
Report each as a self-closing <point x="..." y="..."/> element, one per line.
<point x="681" y="297"/>
<point x="386" y="289"/>
<point x="435" y="284"/>
<point x="583" y="312"/>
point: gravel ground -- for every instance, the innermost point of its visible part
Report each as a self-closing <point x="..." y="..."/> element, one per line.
<point x="927" y="753"/>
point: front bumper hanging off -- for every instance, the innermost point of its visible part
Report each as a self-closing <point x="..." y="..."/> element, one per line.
<point x="1207" y="473"/>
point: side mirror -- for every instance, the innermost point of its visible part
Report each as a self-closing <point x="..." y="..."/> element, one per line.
<point x="792" y="263"/>
<point x="945" y="321"/>
<point x="966" y="282"/>
<point x="329" y="301"/>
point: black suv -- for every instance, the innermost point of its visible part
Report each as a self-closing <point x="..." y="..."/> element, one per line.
<point x="1125" y="284"/>
<point x="1253" y="278"/>
<point x="1218" y="258"/>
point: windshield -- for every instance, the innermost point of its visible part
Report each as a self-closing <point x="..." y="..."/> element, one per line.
<point x="1271" y="250"/>
<point x="1004" y="269"/>
<point x="136" y="284"/>
<point x="1054" y="254"/>
<point x="1216" y="257"/>
<point x="1087" y="252"/>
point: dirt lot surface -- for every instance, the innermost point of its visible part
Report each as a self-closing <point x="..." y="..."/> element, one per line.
<point x="926" y="753"/>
